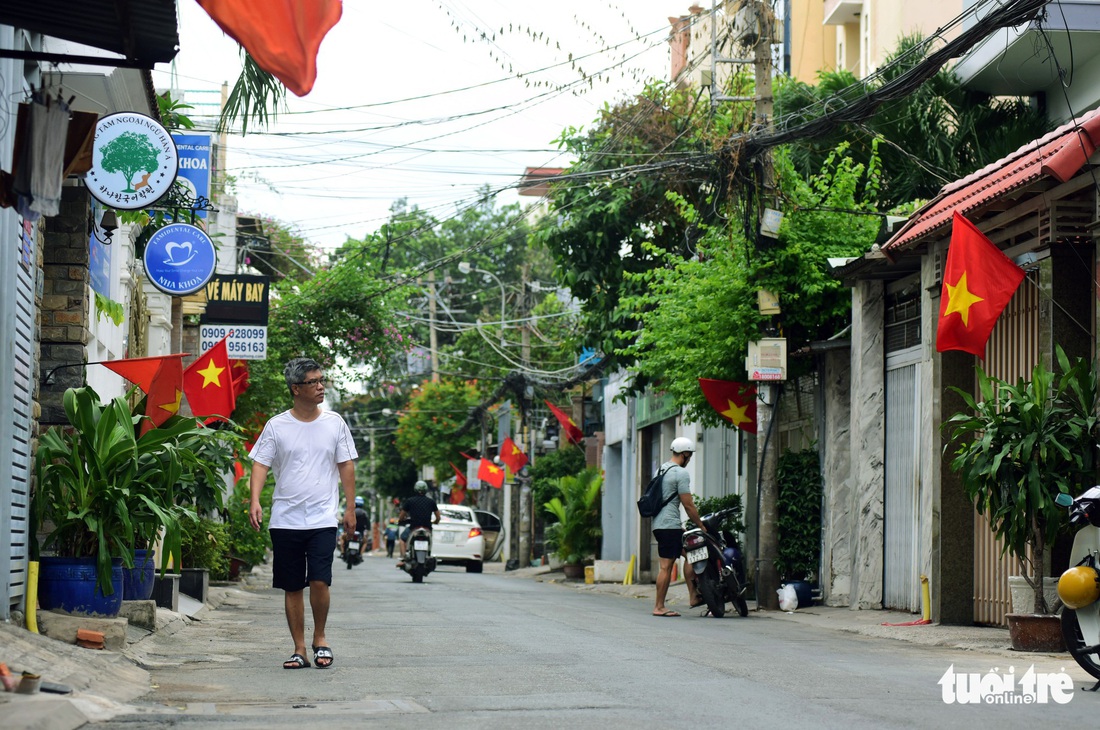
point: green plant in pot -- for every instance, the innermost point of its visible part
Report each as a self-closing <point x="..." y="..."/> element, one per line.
<point x="101" y="490"/>
<point x="577" y="509"/>
<point x="1020" y="446"/>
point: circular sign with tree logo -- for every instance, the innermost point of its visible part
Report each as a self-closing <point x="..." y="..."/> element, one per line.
<point x="134" y="161"/>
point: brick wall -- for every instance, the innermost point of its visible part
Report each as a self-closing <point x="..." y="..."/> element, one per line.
<point x="64" y="306"/>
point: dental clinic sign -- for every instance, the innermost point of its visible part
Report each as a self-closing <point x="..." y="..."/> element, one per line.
<point x="134" y="161"/>
<point x="180" y="259"/>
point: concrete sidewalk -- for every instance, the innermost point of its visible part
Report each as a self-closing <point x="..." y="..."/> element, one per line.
<point x="103" y="682"/>
<point x="870" y="622"/>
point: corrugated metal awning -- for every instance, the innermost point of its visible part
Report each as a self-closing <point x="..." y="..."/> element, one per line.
<point x="1058" y="155"/>
<point x="144" y="32"/>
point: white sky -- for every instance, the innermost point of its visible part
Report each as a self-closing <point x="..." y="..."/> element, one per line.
<point x="341" y="183"/>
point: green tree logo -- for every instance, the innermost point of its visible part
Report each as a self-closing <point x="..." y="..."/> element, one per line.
<point x="130" y="153"/>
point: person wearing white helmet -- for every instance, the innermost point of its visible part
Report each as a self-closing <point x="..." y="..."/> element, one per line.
<point x="419" y="510"/>
<point x="667" y="528"/>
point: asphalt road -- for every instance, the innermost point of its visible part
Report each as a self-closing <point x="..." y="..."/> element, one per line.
<point x="465" y="651"/>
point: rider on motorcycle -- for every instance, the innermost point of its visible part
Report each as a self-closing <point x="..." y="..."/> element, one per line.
<point x="362" y="524"/>
<point x="417" y="510"/>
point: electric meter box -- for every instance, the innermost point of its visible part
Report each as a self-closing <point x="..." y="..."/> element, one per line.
<point x="767" y="359"/>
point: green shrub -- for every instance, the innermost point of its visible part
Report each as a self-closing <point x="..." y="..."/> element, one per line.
<point x="799" y="509"/>
<point x="735" y="522"/>
<point x="577" y="509"/>
<point x="206" y="545"/>
<point x="551" y="467"/>
<point x="245" y="542"/>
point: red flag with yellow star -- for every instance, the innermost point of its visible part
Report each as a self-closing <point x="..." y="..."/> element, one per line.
<point x="572" y="431"/>
<point x="208" y="383"/>
<point x="512" y="456"/>
<point x="165" y="393"/>
<point x="978" y="281"/>
<point x="735" y="402"/>
<point x="490" y="473"/>
<point x="458" y="495"/>
<point x="460" y="478"/>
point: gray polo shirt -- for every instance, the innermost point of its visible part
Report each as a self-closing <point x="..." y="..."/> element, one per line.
<point x="676" y="481"/>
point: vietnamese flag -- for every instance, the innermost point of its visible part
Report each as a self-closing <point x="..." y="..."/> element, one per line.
<point x="735" y="402"/>
<point x="460" y="478"/>
<point x="208" y="383"/>
<point x="281" y="36"/>
<point x="572" y="430"/>
<point x="160" y="378"/>
<point x="239" y="368"/>
<point x="978" y="282"/>
<point x="490" y="473"/>
<point x="458" y="495"/>
<point x="512" y="456"/>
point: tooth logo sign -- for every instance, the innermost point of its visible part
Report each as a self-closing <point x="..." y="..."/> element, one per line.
<point x="179" y="254"/>
<point x="180" y="259"/>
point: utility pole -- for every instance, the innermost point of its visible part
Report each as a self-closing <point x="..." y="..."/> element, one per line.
<point x="433" y="339"/>
<point x="767" y="447"/>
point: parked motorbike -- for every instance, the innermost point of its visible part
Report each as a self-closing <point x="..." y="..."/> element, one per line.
<point x="718" y="563"/>
<point x="418" y="555"/>
<point x="353" y="549"/>
<point x="1079" y="587"/>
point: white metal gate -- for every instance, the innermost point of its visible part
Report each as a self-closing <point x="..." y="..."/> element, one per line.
<point x="901" y="521"/>
<point x="16" y="356"/>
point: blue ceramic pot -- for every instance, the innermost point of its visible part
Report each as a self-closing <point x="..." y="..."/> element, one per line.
<point x="69" y="584"/>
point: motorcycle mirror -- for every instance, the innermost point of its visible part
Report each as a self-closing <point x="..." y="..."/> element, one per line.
<point x="1063" y="500"/>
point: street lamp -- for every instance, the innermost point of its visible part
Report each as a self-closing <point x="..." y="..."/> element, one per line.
<point x="465" y="268"/>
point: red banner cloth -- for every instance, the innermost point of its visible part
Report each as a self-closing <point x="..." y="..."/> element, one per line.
<point x="978" y="282"/>
<point x="735" y="402"/>
<point x="208" y="383"/>
<point x="490" y="473"/>
<point x="460" y="478"/>
<point x="281" y="36"/>
<point x="458" y="495"/>
<point x="512" y="456"/>
<point x="572" y="430"/>
<point x="239" y="368"/>
<point x="139" y="370"/>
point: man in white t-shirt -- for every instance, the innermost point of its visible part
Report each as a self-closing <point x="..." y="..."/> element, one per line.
<point x="311" y="451"/>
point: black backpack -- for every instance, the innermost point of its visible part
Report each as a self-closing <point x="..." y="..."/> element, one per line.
<point x="653" y="501"/>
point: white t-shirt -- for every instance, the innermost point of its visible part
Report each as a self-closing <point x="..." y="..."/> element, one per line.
<point x="303" y="457"/>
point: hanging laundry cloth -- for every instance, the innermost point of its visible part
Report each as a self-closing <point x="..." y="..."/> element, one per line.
<point x="49" y="129"/>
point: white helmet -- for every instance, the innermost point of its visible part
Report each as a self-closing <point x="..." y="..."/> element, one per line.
<point x="421" y="487"/>
<point x="682" y="444"/>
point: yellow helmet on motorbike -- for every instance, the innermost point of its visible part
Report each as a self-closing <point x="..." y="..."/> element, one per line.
<point x="1080" y="586"/>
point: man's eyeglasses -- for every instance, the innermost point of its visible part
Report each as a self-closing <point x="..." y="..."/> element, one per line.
<point x="315" y="381"/>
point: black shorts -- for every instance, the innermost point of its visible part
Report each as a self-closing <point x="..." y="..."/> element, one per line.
<point x="670" y="543"/>
<point x="301" y="556"/>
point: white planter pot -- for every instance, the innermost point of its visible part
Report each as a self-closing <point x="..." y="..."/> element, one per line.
<point x="1023" y="597"/>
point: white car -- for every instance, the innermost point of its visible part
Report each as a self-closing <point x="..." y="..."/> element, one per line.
<point x="460" y="539"/>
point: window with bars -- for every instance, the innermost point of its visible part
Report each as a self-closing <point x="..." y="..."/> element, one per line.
<point x="902" y="319"/>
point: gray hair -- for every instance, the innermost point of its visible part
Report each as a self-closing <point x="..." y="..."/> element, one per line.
<point x="295" y="370"/>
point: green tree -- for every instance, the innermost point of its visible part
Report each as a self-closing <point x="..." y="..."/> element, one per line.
<point x="427" y="430"/>
<point x="130" y="153"/>
<point x="700" y="314"/>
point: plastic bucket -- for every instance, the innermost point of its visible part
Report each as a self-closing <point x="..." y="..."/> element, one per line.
<point x="589" y="574"/>
<point x="70" y="584"/>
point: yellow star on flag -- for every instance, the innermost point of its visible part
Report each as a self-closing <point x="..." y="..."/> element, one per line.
<point x="494" y="469"/>
<point x="960" y="299"/>
<point x="210" y="374"/>
<point x="515" y="450"/>
<point x="736" y="413"/>
<point x="172" y="406"/>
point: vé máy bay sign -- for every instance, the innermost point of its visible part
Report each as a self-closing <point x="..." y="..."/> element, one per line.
<point x="134" y="161"/>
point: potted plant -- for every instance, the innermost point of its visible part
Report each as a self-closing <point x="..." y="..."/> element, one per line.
<point x="101" y="490"/>
<point x="577" y="509"/>
<point x="799" y="521"/>
<point x="1017" y="449"/>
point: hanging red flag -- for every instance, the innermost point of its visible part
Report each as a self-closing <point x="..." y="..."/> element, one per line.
<point x="165" y="393"/>
<point x="490" y="473"/>
<point x="281" y="36"/>
<point x="468" y="457"/>
<point x="735" y="402"/>
<point x="458" y="495"/>
<point x="239" y="368"/>
<point x="571" y="429"/>
<point x="209" y="384"/>
<point x="460" y="478"/>
<point x="512" y="456"/>
<point x="978" y="282"/>
<point x="141" y="371"/>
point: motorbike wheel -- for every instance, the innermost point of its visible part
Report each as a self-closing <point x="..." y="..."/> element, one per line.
<point x="712" y="594"/>
<point x="734" y="588"/>
<point x="1075" y="640"/>
<point x="418" y="577"/>
<point x="348" y="561"/>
